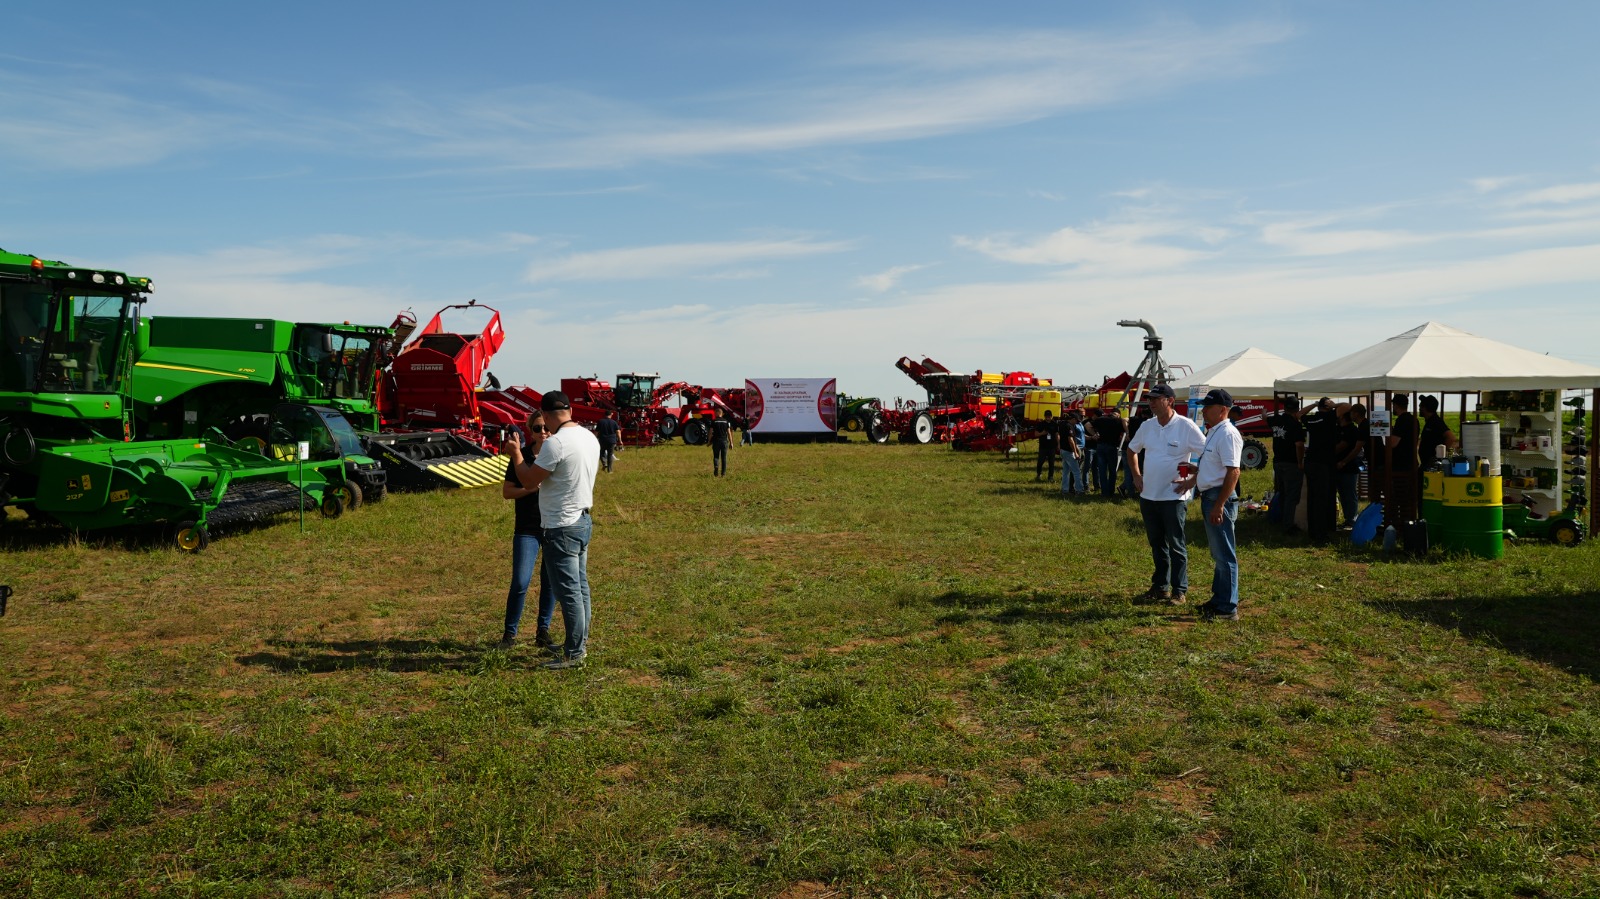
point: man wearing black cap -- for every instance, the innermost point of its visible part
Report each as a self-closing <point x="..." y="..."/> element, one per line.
<point x="1216" y="478"/>
<point x="1166" y="441"/>
<point x="1322" y="438"/>
<point x="564" y="475"/>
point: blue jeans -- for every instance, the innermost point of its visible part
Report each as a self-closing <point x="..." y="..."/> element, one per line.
<point x="524" y="553"/>
<point x="1164" y="521"/>
<point x="1224" y="552"/>
<point x="1105" y="469"/>
<point x="567" y="559"/>
<point x="1071" y="474"/>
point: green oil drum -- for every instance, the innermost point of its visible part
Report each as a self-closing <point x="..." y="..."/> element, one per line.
<point x="1433" y="505"/>
<point x="1471" y="517"/>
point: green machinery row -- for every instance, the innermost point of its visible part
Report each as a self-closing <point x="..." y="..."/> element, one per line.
<point x="109" y="418"/>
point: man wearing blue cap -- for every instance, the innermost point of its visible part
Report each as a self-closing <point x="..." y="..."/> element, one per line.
<point x="1217" y="476"/>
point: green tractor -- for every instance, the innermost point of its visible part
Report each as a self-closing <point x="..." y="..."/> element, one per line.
<point x="67" y="453"/>
<point x="266" y="386"/>
<point x="863" y="415"/>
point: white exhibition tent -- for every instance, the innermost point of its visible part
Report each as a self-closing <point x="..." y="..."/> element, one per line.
<point x="1435" y="357"/>
<point x="1248" y="374"/>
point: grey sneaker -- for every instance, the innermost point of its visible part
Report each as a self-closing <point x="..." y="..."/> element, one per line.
<point x="1155" y="594"/>
<point x="1178" y="599"/>
<point x="563" y="664"/>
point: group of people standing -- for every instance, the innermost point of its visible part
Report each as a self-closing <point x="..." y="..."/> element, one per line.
<point x="1319" y="453"/>
<point x="1089" y="448"/>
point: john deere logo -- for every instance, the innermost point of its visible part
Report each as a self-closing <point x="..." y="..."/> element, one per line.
<point x="1475" y="489"/>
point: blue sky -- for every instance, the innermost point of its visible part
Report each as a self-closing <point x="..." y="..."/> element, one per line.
<point x="718" y="191"/>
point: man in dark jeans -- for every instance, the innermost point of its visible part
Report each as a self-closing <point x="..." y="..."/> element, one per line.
<point x="609" y="433"/>
<point x="1049" y="447"/>
<point x="721" y="437"/>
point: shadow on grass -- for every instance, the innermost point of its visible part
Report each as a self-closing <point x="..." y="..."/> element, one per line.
<point x="1039" y="608"/>
<point x="1555" y="629"/>
<point x="399" y="656"/>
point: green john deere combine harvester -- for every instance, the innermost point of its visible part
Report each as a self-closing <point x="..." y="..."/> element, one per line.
<point x="67" y="340"/>
<point x="266" y="386"/>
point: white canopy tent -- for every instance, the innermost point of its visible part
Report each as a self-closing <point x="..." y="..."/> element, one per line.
<point x="1248" y="374"/>
<point x="1439" y="358"/>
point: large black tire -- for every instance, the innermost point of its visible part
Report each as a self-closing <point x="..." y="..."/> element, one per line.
<point x="696" y="432"/>
<point x="669" y="427"/>
<point x="1254" y="455"/>
<point x="376" y="494"/>
<point x="873" y="424"/>
<point x="350" y="494"/>
<point x="922" y="428"/>
<point x="852" y="423"/>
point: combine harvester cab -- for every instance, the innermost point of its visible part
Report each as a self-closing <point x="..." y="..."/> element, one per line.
<point x="67" y="337"/>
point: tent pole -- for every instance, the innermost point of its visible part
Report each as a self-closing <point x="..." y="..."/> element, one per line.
<point x="1594" y="460"/>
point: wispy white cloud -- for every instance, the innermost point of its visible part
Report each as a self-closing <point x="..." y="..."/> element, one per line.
<point x="671" y="260"/>
<point x="1560" y="193"/>
<point x="1492" y="184"/>
<point x="888" y="278"/>
<point x="1119" y="246"/>
<point x="863" y="91"/>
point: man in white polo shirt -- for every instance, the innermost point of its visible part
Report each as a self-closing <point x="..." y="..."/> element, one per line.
<point x="1217" y="475"/>
<point x="1167" y="439"/>
<point x="564" y="474"/>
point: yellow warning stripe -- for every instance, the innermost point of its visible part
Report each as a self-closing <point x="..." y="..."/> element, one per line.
<point x="202" y="371"/>
<point x="474" y="473"/>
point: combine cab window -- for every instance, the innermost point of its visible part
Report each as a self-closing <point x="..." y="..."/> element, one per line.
<point x="335" y="366"/>
<point x="633" y="392"/>
<point x="56" y="344"/>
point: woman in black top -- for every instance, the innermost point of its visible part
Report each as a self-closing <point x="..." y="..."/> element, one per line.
<point x="525" y="553"/>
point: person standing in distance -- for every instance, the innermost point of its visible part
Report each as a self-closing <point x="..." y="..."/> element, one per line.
<point x="1216" y="478"/>
<point x="721" y="438"/>
<point x="1049" y="438"/>
<point x="526" y="535"/>
<point x="564" y="474"/>
<point x="609" y="433"/>
<point x="1166" y="441"/>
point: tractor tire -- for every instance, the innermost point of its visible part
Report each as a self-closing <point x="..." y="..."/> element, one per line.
<point x="350" y="494"/>
<point x="669" y="427"/>
<point x="922" y="428"/>
<point x="1566" y="533"/>
<point x="877" y="430"/>
<point x="189" y="538"/>
<point x="852" y="423"/>
<point x="696" y="432"/>
<point x="377" y="494"/>
<point x="249" y="433"/>
<point x="332" y="504"/>
<point x="1254" y="455"/>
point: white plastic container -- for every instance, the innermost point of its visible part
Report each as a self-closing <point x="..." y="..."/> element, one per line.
<point x="1481" y="440"/>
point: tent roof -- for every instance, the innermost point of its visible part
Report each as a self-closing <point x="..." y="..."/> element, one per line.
<point x="1440" y="358"/>
<point x="1247" y="374"/>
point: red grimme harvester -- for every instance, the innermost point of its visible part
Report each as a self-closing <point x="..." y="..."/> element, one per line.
<point x="979" y="411"/>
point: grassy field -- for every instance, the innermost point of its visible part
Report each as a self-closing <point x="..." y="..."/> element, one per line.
<point x="840" y="671"/>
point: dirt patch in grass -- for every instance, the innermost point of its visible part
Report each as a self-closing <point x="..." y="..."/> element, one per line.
<point x="807" y="889"/>
<point x="35" y="817"/>
<point x="1187" y="794"/>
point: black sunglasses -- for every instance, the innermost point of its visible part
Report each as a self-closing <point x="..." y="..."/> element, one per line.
<point x="536" y="429"/>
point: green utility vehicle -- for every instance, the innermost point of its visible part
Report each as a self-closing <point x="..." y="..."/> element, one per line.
<point x="67" y="453"/>
<point x="266" y="385"/>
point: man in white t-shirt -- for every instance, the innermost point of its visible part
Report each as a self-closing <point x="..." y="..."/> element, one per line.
<point x="564" y="475"/>
<point x="1217" y="475"/>
<point x="1167" y="440"/>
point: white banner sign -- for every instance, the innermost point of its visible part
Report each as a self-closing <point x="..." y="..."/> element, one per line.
<point x="791" y="405"/>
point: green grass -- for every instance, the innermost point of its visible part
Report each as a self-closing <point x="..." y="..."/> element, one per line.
<point x="842" y="670"/>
